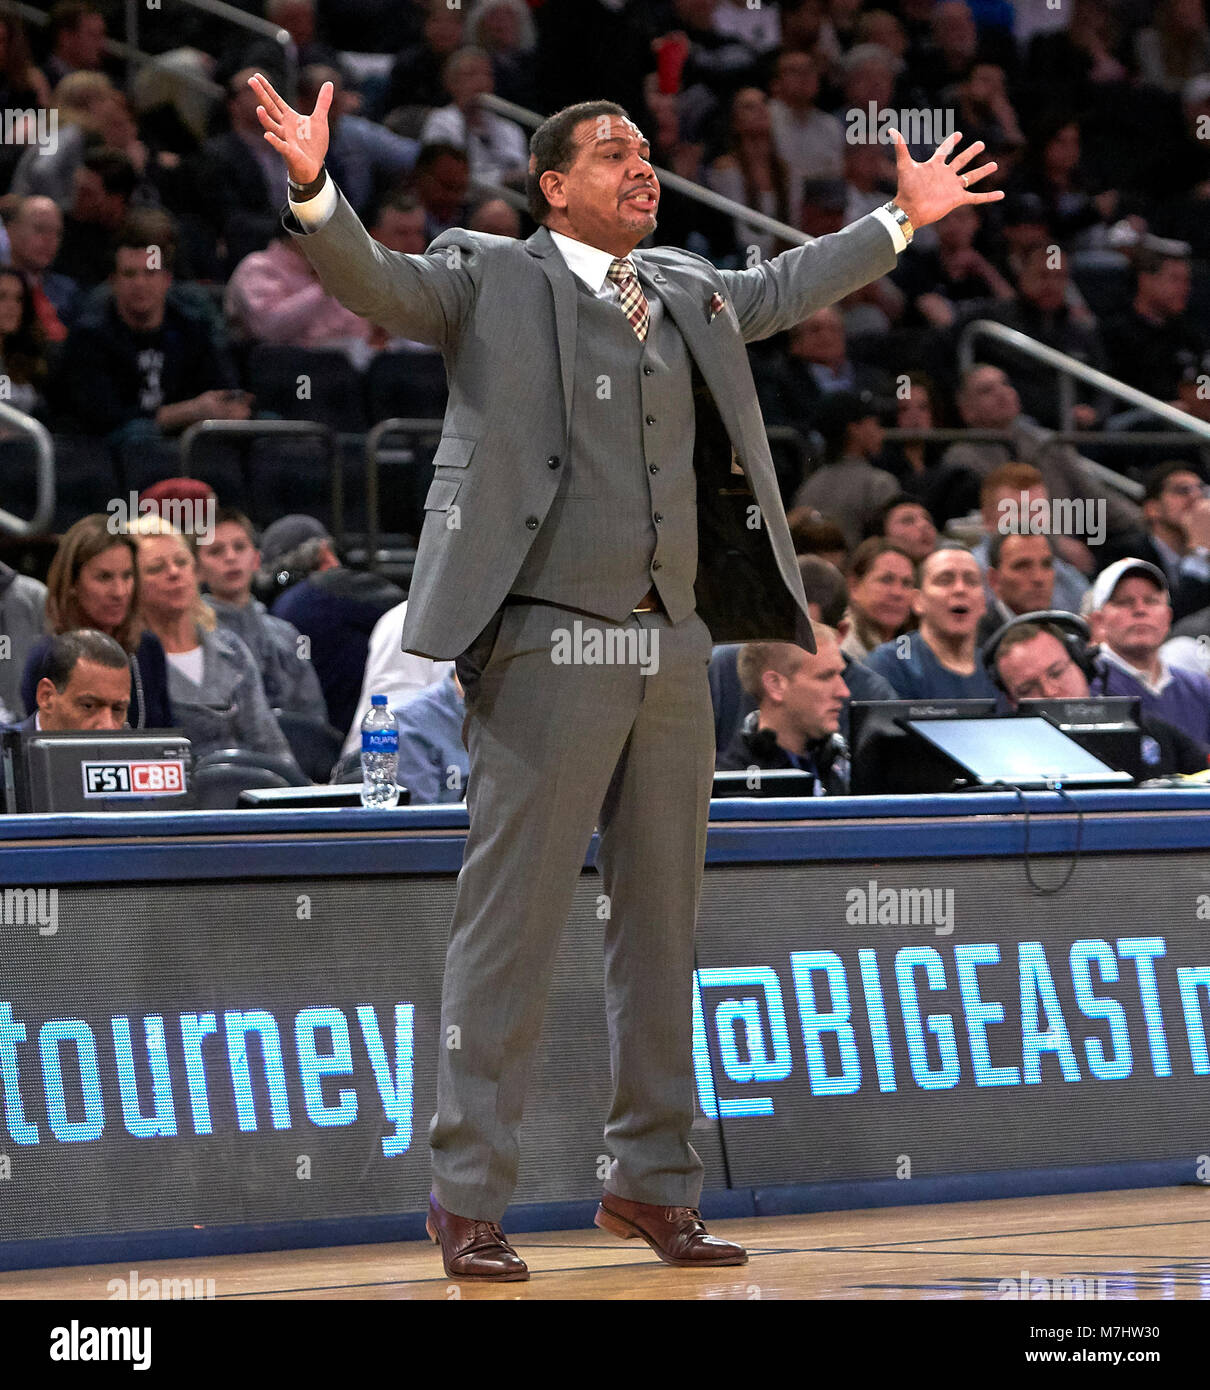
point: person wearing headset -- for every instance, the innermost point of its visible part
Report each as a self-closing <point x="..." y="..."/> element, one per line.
<point x="1047" y="656"/>
<point x="796" y="723"/>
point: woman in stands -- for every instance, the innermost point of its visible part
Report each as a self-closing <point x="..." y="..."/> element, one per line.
<point x="93" y="582"/>
<point x="752" y="172"/>
<point x="216" y="690"/>
<point x="22" y="345"/>
<point x="882" y="580"/>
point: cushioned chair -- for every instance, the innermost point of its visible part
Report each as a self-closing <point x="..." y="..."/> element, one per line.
<point x="334" y="387"/>
<point x="218" y="785"/>
<point x="410" y="385"/>
<point x="247" y="757"/>
<point x="315" y="743"/>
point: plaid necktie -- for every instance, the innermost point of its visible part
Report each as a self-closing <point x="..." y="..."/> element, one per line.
<point x="634" y="301"/>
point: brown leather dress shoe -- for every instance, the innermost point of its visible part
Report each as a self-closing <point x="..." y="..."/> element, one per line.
<point x="473" y="1249"/>
<point x="676" y="1234"/>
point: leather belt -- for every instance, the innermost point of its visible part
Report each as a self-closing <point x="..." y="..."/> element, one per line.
<point x="649" y="603"/>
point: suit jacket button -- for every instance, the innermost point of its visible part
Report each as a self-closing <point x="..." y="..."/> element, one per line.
<point x="532" y="522"/>
<point x="653" y="468"/>
<point x="553" y="461"/>
<point x="651" y="419"/>
<point x="659" y="516"/>
<point x="648" y="370"/>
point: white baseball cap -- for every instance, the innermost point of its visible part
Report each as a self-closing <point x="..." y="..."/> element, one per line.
<point x="1112" y="575"/>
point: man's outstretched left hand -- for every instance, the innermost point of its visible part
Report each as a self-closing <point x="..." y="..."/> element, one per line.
<point x="931" y="188"/>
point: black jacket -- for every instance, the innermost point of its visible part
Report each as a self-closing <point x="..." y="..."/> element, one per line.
<point x="826" y="758"/>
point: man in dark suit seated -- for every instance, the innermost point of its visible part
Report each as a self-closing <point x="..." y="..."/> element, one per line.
<point x="1176" y="512"/>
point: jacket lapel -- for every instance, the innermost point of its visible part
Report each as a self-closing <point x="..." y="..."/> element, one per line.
<point x="541" y="246"/>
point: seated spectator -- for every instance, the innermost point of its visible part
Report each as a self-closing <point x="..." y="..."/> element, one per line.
<point x="335" y="607"/>
<point x="936" y="282"/>
<point x="1131" y="617"/>
<point x="22" y="83"/>
<point x="103" y="186"/>
<point x="241" y="182"/>
<point x="815" y="366"/>
<point x="505" y="30"/>
<point x="274" y="296"/>
<point x="93" y="582"/>
<point x="22" y="620"/>
<point x="226" y="564"/>
<point x="1150" y="343"/>
<point x="90" y="112"/>
<point x="848" y="488"/>
<point x="1176" y="535"/>
<point x="915" y="464"/>
<point x="76" y="30"/>
<point x="216" y="690"/>
<point x="907" y="523"/>
<point x="940" y="661"/>
<point x="1176" y="47"/>
<point x="751" y="172"/>
<point x="869" y="175"/>
<point x="1020" y="225"/>
<point x="144" y="363"/>
<point x="797" y="720"/>
<point x="882" y="582"/>
<point x="1053" y="170"/>
<point x="22" y="345"/>
<point x="34" y="237"/>
<point x="441" y="182"/>
<point x="363" y="156"/>
<point x="417" y="77"/>
<point x="1078" y="56"/>
<point x="987" y="400"/>
<point x="985" y="112"/>
<point x="495" y="217"/>
<point x="496" y="149"/>
<point x="1010" y="495"/>
<point x="86" y="685"/>
<point x="392" y="672"/>
<point x="1021" y="576"/>
<point x="399" y="224"/>
<point x="1040" y="310"/>
<point x="813" y="534"/>
<point x="1034" y="662"/>
<point x="433" y="761"/>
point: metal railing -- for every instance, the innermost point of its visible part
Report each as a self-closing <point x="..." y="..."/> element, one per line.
<point x="255" y="25"/>
<point x="44" y="462"/>
<point x="414" y="429"/>
<point x="1070" y="368"/>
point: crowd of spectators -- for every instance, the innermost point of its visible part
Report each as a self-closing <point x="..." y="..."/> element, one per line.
<point x="145" y="272"/>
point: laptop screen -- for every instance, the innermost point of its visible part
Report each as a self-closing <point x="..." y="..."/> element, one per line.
<point x="1026" y="752"/>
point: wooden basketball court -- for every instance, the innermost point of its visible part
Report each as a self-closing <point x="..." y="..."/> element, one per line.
<point x="1145" y="1244"/>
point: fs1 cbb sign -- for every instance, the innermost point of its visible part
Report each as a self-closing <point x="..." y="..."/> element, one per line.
<point x="157" y="777"/>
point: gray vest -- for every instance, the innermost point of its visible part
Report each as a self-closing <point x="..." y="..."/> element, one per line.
<point x="601" y="546"/>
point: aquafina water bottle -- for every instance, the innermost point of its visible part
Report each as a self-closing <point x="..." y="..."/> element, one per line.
<point x="379" y="755"/>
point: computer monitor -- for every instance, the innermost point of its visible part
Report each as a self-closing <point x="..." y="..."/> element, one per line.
<point x="97" y="770"/>
<point x="1029" y="753"/>
<point x="886" y="760"/>
<point x="1107" y="725"/>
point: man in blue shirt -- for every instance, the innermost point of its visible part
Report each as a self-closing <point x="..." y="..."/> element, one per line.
<point x="940" y="661"/>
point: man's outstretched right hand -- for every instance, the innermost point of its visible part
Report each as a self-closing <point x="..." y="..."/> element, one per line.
<point x="302" y="141"/>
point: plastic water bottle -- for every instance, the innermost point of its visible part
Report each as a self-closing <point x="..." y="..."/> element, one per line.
<point x="379" y="755"/>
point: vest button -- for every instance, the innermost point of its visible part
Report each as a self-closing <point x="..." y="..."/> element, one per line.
<point x="653" y="468"/>
<point x="657" y="564"/>
<point x="532" y="522"/>
<point x="651" y="419"/>
<point x="659" y="516"/>
<point x="553" y="461"/>
<point x="647" y="371"/>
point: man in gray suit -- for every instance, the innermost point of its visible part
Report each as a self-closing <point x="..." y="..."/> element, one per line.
<point x="604" y="509"/>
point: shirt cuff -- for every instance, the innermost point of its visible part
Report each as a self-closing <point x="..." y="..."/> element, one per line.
<point x="1198" y="566"/>
<point x="889" y="223"/>
<point x="315" y="211"/>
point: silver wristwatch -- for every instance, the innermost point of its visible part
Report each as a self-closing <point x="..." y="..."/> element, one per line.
<point x="901" y="217"/>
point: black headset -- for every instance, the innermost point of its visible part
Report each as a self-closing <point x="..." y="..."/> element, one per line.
<point x="1073" y="632"/>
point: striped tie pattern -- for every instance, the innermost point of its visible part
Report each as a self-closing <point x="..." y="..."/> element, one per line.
<point x="634" y="301"/>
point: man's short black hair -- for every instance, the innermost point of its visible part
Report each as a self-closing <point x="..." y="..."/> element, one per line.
<point x="1150" y="261"/>
<point x="551" y="147"/>
<point x="1157" y="478"/>
<point x="435" y="150"/>
<point x="84" y="644"/>
<point x="824" y="584"/>
<point x="66" y="17"/>
<point x="997" y="539"/>
<point x="145" y="228"/>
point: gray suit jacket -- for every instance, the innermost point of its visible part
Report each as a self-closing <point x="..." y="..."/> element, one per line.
<point x="504" y="313"/>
